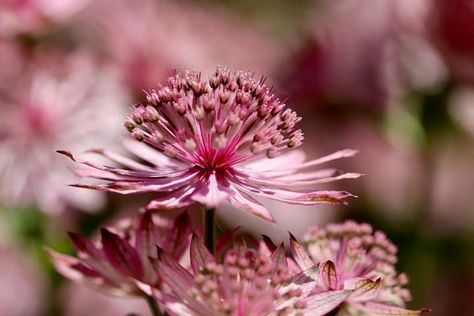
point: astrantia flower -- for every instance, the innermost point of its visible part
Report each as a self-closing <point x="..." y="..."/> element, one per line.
<point x="216" y="140"/>
<point x="351" y="257"/>
<point x="49" y="106"/>
<point x="120" y="263"/>
<point x="246" y="281"/>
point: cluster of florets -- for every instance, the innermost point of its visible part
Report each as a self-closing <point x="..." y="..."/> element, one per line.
<point x="354" y="259"/>
<point x="245" y="281"/>
<point x="233" y="114"/>
<point x="359" y="252"/>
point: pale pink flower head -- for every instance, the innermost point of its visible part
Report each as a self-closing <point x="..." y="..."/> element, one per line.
<point x="120" y="263"/>
<point x="46" y="107"/>
<point x="216" y="140"/>
<point x="351" y="257"/>
<point x="246" y="281"/>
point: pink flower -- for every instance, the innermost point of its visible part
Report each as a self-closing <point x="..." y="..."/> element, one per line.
<point x="353" y="258"/>
<point x="209" y="141"/>
<point x="246" y="282"/>
<point x="120" y="263"/>
<point x="49" y="106"/>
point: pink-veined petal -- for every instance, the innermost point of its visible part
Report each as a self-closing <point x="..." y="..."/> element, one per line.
<point x="300" y="255"/>
<point x="121" y="255"/>
<point x="322" y="303"/>
<point x="248" y="204"/>
<point x="212" y="193"/>
<point x="199" y="254"/>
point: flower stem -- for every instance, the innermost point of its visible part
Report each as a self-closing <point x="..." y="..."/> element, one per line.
<point x="155" y="311"/>
<point x="210" y="229"/>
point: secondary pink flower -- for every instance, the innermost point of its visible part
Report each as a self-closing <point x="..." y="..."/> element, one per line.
<point x="120" y="263"/>
<point x="246" y="281"/>
<point x="351" y="256"/>
<point x="209" y="141"/>
<point x="49" y="106"/>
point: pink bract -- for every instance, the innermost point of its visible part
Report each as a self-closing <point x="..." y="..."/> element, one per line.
<point x="210" y="141"/>
<point x="351" y="257"/>
<point x="121" y="262"/>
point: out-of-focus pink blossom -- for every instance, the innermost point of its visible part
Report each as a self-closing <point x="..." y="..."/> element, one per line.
<point x="216" y="140"/>
<point x="347" y="57"/>
<point x="351" y="256"/>
<point x="363" y="53"/>
<point x="49" y="107"/>
<point x="146" y="38"/>
<point x="30" y="16"/>
<point x="121" y="262"/>
<point x="452" y="26"/>
<point x="245" y="281"/>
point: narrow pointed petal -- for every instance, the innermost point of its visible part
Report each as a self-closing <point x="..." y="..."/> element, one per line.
<point x="174" y="275"/>
<point x="329" y="276"/>
<point x="278" y="256"/>
<point x="248" y="204"/>
<point x="300" y="255"/>
<point x="178" y="237"/>
<point x="144" y="236"/>
<point x="200" y="255"/>
<point x="225" y="240"/>
<point x="366" y="290"/>
<point x="85" y="247"/>
<point x="212" y="193"/>
<point x="121" y="255"/>
<point x="320" y="304"/>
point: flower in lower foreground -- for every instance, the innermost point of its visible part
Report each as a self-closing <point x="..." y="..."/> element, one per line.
<point x="246" y="281"/>
<point x="209" y="141"/>
<point x="120" y="263"/>
<point x="351" y="257"/>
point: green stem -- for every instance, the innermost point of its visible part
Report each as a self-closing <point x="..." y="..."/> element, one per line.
<point x="155" y="311"/>
<point x="210" y="229"/>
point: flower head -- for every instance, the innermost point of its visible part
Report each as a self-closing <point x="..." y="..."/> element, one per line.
<point x="120" y="263"/>
<point x="246" y="281"/>
<point x="352" y="257"/>
<point x="216" y="140"/>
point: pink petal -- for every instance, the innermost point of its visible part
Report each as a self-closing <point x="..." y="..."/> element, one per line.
<point x="123" y="257"/>
<point x="248" y="204"/>
<point x="144" y="236"/>
<point x="149" y="154"/>
<point x="85" y="247"/>
<point x="122" y="160"/>
<point x="174" y="275"/>
<point x="294" y="157"/>
<point x="320" y="304"/>
<point x="211" y="194"/>
<point x="177" y="199"/>
<point x="177" y="238"/>
<point x="329" y="276"/>
<point x="366" y="290"/>
<point x="300" y="255"/>
<point x="199" y="254"/>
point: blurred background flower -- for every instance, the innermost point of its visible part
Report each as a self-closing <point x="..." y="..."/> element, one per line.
<point x="392" y="79"/>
